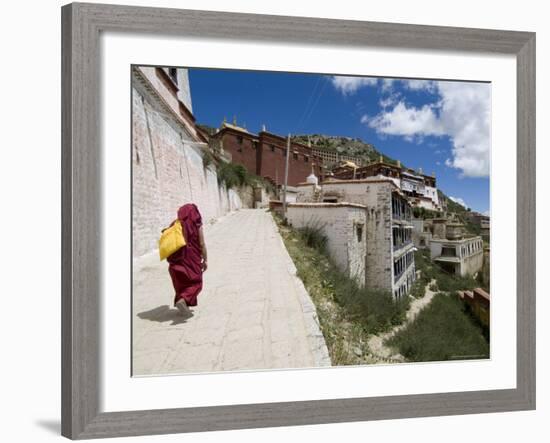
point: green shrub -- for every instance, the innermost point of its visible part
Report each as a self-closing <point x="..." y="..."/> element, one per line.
<point x="371" y="309"/>
<point x="441" y="331"/>
<point x="444" y="281"/>
<point x="452" y="283"/>
<point x="418" y="289"/>
<point x="376" y="310"/>
<point x="313" y="236"/>
<point x="424" y="213"/>
<point x="207" y="158"/>
<point x="233" y="175"/>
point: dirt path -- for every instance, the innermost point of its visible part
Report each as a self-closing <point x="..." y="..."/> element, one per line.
<point x="384" y="354"/>
<point x="253" y="313"/>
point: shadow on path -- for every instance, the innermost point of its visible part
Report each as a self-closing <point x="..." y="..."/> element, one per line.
<point x="164" y="314"/>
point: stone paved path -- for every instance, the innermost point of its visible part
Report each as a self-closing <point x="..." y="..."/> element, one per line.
<point x="253" y="313"/>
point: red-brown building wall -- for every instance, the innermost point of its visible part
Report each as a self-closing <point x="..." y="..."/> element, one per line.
<point x="272" y="160"/>
<point x="242" y="148"/>
<point x="264" y="155"/>
<point x="301" y="160"/>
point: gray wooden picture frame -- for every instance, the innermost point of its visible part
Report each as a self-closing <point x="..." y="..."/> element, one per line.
<point x="81" y="214"/>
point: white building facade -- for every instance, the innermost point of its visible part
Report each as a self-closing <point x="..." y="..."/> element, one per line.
<point x="389" y="259"/>
<point x="460" y="257"/>
<point x="343" y="224"/>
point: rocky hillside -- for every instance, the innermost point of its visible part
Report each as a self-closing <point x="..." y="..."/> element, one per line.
<point x="354" y="147"/>
<point x="366" y="151"/>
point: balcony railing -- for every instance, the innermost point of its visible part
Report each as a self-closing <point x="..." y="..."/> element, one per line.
<point x="398" y="246"/>
<point x="398" y="275"/>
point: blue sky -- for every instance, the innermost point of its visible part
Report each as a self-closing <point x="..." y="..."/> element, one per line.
<point x="441" y="127"/>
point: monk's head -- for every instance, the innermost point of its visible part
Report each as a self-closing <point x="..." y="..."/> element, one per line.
<point x="189" y="210"/>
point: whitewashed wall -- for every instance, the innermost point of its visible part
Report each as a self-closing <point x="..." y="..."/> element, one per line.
<point x="168" y="172"/>
<point x="339" y="223"/>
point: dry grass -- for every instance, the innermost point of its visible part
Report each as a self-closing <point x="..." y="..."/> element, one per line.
<point x="347" y="314"/>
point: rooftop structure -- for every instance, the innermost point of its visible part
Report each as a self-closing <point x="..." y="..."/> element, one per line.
<point x="331" y="158"/>
<point x="419" y="188"/>
<point x="484" y="223"/>
<point x="454" y="252"/>
<point x="264" y="154"/>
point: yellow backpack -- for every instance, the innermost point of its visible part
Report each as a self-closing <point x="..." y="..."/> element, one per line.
<point x="171" y="240"/>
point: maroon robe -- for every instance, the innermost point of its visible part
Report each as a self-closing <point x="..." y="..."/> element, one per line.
<point x="186" y="264"/>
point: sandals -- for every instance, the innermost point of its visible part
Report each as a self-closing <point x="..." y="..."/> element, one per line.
<point x="182" y="307"/>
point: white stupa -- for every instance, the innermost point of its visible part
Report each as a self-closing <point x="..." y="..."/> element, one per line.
<point x="312" y="178"/>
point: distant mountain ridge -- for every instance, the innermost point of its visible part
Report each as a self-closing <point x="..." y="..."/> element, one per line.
<point x="354" y="147"/>
<point x="366" y="152"/>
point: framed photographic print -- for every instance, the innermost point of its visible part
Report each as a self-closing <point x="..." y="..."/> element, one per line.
<point x="274" y="221"/>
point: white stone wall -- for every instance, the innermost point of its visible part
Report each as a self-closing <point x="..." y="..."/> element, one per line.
<point x="376" y="195"/>
<point x="426" y="204"/>
<point x="168" y="172"/>
<point x="352" y="192"/>
<point x="432" y="193"/>
<point x="305" y="193"/>
<point x="261" y="198"/>
<point x="469" y="251"/>
<point x="291" y="195"/>
<point x="379" y="219"/>
<point x="345" y="229"/>
<point x="472" y="264"/>
<point x="435" y="248"/>
<point x="184" y="92"/>
<point x="413" y="186"/>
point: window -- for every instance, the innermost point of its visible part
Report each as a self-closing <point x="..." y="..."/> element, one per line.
<point x="173" y="73"/>
<point x="359" y="232"/>
<point x="240" y="140"/>
<point x="306" y="158"/>
<point x="448" y="251"/>
<point x="272" y="148"/>
<point x="295" y="155"/>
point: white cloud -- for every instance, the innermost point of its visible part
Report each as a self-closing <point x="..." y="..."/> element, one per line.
<point x="466" y="116"/>
<point x="402" y="120"/>
<point x="348" y="85"/>
<point x="462" y="113"/>
<point x="387" y="84"/>
<point x="420" y="85"/>
<point x="459" y="201"/>
<point x="389" y="100"/>
<point x="487" y="213"/>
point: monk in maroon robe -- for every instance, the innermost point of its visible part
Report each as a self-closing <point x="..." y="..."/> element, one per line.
<point x="188" y="263"/>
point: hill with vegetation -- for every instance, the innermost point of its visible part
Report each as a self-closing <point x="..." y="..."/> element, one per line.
<point x="367" y="152"/>
<point x="354" y="147"/>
